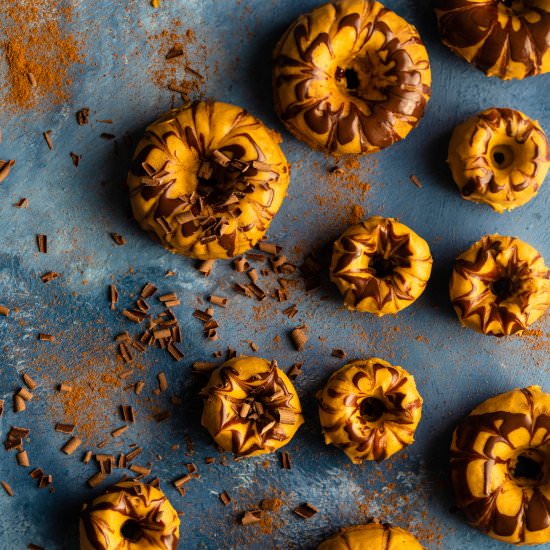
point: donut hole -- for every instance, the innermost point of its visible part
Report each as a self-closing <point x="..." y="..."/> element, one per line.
<point x="352" y="79"/>
<point x="372" y="409"/>
<point x="131" y="530"/>
<point x="502" y="157"/>
<point x="382" y="267"/>
<point x="503" y="288"/>
<point x="528" y="468"/>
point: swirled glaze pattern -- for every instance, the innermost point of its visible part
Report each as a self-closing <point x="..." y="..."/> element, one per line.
<point x="380" y="266"/>
<point x="207" y="179"/>
<point x="156" y="523"/>
<point x="369" y="409"/>
<point x="500" y="286"/>
<point x="504" y="38"/>
<point x="371" y="537"/>
<point x="351" y="77"/>
<point x="251" y="407"/>
<point x="499" y="157"/>
<point x="486" y="449"/>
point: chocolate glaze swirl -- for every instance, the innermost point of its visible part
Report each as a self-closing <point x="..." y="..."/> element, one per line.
<point x="250" y="378"/>
<point x="500" y="286"/>
<point x="342" y="402"/>
<point x="143" y="504"/>
<point x="405" y="259"/>
<point x="488" y="442"/>
<point x="504" y="39"/>
<point x="223" y="213"/>
<point x="387" y="57"/>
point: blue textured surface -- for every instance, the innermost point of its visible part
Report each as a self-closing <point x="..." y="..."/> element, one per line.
<point x="77" y="208"/>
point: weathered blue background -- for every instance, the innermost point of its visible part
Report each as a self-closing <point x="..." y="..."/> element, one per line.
<point x="77" y="208"/>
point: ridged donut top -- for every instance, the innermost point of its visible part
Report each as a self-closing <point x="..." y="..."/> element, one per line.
<point x="207" y="179"/>
<point x="499" y="157"/>
<point x="351" y="77"/>
<point x="484" y="457"/>
<point x="251" y="407"/>
<point x="500" y="286"/>
<point x="101" y="521"/>
<point x="380" y="266"/>
<point x="371" y="537"/>
<point x="369" y="409"/>
<point x="508" y="39"/>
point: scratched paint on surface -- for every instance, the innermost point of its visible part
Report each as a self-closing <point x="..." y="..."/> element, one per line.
<point x="124" y="77"/>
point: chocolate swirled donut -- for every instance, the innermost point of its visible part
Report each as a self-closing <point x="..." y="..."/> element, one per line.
<point x="500" y="286"/>
<point x="351" y="77"/>
<point x="380" y="266"/>
<point x="129" y="516"/>
<point x="371" y="537"/>
<point x="500" y="466"/>
<point x="499" y="157"/>
<point x="369" y="409"/>
<point x="207" y="179"/>
<point x="504" y="38"/>
<point x="251" y="407"/>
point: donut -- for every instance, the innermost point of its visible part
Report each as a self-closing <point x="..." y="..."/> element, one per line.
<point x="132" y="516"/>
<point x="369" y="409"/>
<point x="500" y="286"/>
<point x="251" y="407"/>
<point x="499" y="157"/>
<point x="207" y="179"/>
<point x="504" y="38"/>
<point x="351" y="77"/>
<point x="500" y="466"/>
<point x="371" y="537"/>
<point x="380" y="266"/>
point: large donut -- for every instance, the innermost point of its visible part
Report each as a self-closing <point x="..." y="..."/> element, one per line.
<point x="500" y="466"/>
<point x="369" y="409"/>
<point x="251" y="407"/>
<point x="371" y="537"/>
<point x="351" y="77"/>
<point x="207" y="179"/>
<point x="499" y="157"/>
<point x="129" y="516"/>
<point x="504" y="38"/>
<point x="500" y="286"/>
<point x="380" y="266"/>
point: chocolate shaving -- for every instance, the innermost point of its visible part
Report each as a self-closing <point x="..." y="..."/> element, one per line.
<point x="125" y="352"/>
<point x="119" y="239"/>
<point x="269" y="248"/>
<point x="96" y="479"/>
<point x="43" y="337"/>
<point x="285" y="461"/>
<point x="173" y="350"/>
<point x="306" y="510"/>
<point x="64" y="428"/>
<point x="47" y="137"/>
<point x="87" y="457"/>
<point x="25" y="394"/>
<point x="299" y="338"/>
<point x="18" y="404"/>
<point x="75" y="158"/>
<point x="49" y="276"/>
<point x="133" y="454"/>
<point x="138" y="388"/>
<point x="339" y="353"/>
<point x="7" y="488"/>
<point x="32" y="79"/>
<point x="416" y="181"/>
<point x="251" y="517"/>
<point x="113" y="296"/>
<point x="206" y="267"/>
<point x="29" y="382"/>
<point x="1" y="407"/>
<point x="119" y="431"/>
<point x="162" y="381"/>
<point x="240" y="264"/>
<point x="15" y="437"/>
<point x="42" y="243"/>
<point x="71" y="446"/>
<point x="174" y="51"/>
<point x="82" y="116"/>
<point x="142" y="471"/>
<point x="291" y="311"/>
<point x="218" y="301"/>
<point x="287" y="416"/>
<point x="203" y="367"/>
<point x="22" y="203"/>
<point x="5" y="168"/>
<point x="5" y="311"/>
<point x="148" y="290"/>
<point x="127" y="412"/>
<point x="64" y="387"/>
<point x="225" y="498"/>
<point x="134" y="315"/>
<point x="295" y="370"/>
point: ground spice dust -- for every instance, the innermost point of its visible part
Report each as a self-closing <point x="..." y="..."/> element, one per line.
<point x="40" y="53"/>
<point x="178" y="60"/>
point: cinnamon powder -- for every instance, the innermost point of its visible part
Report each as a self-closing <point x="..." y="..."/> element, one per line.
<point x="40" y="53"/>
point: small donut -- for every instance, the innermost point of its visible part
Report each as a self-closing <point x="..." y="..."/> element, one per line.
<point x="371" y="537"/>
<point x="380" y="266"/>
<point x="500" y="286"/>
<point x="251" y="407"/>
<point x="504" y="38"/>
<point x="369" y="409"/>
<point x="351" y="77"/>
<point x="130" y="516"/>
<point x="499" y="157"/>
<point x="207" y="179"/>
<point x="500" y="466"/>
